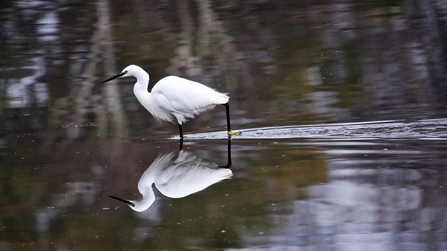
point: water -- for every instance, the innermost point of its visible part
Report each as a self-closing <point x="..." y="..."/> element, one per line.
<point x="341" y="106"/>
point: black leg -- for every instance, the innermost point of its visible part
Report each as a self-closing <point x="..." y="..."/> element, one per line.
<point x="227" y="109"/>
<point x="180" y="131"/>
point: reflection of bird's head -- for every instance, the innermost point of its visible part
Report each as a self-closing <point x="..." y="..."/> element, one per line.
<point x="138" y="206"/>
<point x="128" y="202"/>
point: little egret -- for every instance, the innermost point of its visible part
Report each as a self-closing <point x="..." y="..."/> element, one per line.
<point x="176" y="178"/>
<point x="175" y="98"/>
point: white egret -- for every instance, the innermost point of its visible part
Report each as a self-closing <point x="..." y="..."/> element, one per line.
<point x="175" y="98"/>
<point x="176" y="178"/>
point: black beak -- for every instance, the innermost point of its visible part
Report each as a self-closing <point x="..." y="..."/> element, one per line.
<point x="125" y="201"/>
<point x="116" y="76"/>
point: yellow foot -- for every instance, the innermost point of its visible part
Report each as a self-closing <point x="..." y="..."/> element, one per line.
<point x="233" y="133"/>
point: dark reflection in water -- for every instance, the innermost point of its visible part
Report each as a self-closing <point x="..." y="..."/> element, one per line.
<point x="347" y="96"/>
<point x="377" y="197"/>
<point x="176" y="178"/>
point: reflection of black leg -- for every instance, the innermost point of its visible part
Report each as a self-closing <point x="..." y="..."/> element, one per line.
<point x="181" y="144"/>
<point x="227" y="109"/>
<point x="180" y="130"/>
<point x="181" y="136"/>
<point x="229" y="162"/>
<point x="229" y="154"/>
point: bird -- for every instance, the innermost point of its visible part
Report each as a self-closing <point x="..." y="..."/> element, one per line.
<point x="176" y="178"/>
<point x="175" y="99"/>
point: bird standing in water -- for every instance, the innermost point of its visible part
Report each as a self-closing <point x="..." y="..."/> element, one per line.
<point x="175" y="98"/>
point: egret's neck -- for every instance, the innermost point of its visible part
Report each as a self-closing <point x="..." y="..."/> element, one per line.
<point x="140" y="89"/>
<point x="146" y="100"/>
<point x="142" y="81"/>
<point x="146" y="202"/>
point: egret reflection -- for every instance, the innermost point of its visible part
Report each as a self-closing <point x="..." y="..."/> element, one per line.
<point x="176" y="178"/>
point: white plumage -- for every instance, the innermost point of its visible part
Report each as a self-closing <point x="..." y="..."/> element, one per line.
<point x="174" y="98"/>
<point x="180" y="97"/>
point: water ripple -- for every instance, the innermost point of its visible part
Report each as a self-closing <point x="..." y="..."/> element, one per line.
<point x="427" y="129"/>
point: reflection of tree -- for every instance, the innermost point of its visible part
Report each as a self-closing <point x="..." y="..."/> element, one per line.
<point x="110" y="113"/>
<point x="366" y="205"/>
<point x="207" y="51"/>
<point x="381" y="61"/>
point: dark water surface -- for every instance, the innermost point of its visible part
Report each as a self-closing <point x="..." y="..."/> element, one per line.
<point x="342" y="108"/>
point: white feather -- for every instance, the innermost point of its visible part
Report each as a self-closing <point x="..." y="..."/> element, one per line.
<point x="184" y="98"/>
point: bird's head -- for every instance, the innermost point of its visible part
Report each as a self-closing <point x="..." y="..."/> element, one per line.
<point x="131" y="70"/>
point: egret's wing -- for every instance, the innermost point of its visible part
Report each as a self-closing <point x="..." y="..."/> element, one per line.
<point x="153" y="171"/>
<point x="188" y="178"/>
<point x="181" y="95"/>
